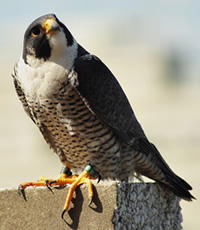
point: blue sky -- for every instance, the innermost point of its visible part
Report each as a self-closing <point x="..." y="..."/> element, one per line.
<point x="170" y="22"/>
<point x="163" y="24"/>
<point x="178" y="16"/>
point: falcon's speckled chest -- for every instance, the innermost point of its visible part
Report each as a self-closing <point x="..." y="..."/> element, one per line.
<point x="74" y="131"/>
<point x="49" y="93"/>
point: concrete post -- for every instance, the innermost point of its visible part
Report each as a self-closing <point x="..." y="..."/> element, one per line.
<point x="115" y="206"/>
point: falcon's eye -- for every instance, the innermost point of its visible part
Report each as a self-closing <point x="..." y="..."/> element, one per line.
<point x="35" y="31"/>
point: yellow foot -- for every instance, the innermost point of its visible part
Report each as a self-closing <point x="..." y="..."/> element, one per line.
<point x="84" y="178"/>
<point x="44" y="181"/>
<point x="63" y="179"/>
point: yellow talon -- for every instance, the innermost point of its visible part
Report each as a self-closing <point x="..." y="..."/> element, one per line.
<point x="65" y="178"/>
<point x="84" y="178"/>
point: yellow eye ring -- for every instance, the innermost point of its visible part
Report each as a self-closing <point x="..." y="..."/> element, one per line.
<point x="36" y="32"/>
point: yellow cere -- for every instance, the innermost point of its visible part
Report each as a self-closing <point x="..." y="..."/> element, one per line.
<point x="49" y="23"/>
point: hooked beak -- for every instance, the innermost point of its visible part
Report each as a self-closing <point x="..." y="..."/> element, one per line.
<point x="51" y="26"/>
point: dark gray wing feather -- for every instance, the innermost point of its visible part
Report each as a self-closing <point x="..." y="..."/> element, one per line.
<point x="177" y="184"/>
<point x="108" y="101"/>
<point x="106" y="98"/>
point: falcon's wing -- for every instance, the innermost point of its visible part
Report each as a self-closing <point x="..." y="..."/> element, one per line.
<point x="108" y="101"/>
<point x="105" y="96"/>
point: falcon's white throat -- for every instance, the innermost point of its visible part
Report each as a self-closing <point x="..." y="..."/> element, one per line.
<point x="40" y="79"/>
<point x="61" y="53"/>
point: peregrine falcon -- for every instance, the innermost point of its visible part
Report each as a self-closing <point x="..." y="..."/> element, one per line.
<point x="83" y="113"/>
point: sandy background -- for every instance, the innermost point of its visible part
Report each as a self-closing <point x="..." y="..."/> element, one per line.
<point x="153" y="49"/>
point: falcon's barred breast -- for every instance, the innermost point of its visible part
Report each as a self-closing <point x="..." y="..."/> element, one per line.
<point x="81" y="109"/>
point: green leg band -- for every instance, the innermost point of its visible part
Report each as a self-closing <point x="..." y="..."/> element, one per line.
<point x="92" y="172"/>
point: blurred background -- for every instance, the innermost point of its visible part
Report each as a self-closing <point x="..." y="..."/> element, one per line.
<point x="152" y="47"/>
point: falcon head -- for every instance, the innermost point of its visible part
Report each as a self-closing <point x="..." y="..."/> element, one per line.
<point x="47" y="39"/>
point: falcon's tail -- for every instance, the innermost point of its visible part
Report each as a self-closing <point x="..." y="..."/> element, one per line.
<point x="150" y="163"/>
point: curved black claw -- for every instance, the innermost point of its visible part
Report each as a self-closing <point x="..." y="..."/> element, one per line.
<point x="99" y="178"/>
<point x="22" y="192"/>
<point x="56" y="186"/>
<point x="60" y="186"/>
<point x="90" y="202"/>
<point x="47" y="183"/>
<point x="52" y="182"/>
<point x="63" y="213"/>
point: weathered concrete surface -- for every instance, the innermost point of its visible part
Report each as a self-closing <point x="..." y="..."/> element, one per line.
<point x="43" y="209"/>
<point x="115" y="206"/>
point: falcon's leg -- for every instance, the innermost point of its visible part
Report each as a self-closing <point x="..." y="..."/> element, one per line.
<point x="85" y="178"/>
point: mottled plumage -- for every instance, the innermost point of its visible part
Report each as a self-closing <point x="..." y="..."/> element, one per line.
<point x="82" y="111"/>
